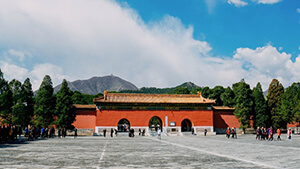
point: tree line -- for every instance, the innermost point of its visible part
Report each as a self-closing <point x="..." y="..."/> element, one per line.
<point x="280" y="106"/>
<point x="19" y="105"/>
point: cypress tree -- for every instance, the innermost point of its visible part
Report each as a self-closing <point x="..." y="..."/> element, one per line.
<point x="28" y="100"/>
<point x="78" y="98"/>
<point x="18" y="108"/>
<point x="260" y="107"/>
<point x="6" y="101"/>
<point x="64" y="107"/>
<point x="290" y="103"/>
<point x="216" y="93"/>
<point x="44" y="104"/>
<point x="275" y="93"/>
<point x="228" y="97"/>
<point x="243" y="103"/>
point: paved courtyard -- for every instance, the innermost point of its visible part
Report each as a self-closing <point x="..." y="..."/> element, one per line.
<point x="149" y="152"/>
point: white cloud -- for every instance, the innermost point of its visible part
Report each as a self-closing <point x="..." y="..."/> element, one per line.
<point x="12" y="71"/>
<point x="39" y="71"/>
<point x="36" y="75"/>
<point x="266" y="63"/>
<point x="238" y="3"/>
<point x="280" y="48"/>
<point x="298" y="10"/>
<point x="268" y="1"/>
<point x="76" y="39"/>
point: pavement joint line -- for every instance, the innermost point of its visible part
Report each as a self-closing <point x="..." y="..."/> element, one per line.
<point x="216" y="154"/>
<point x="102" y="154"/>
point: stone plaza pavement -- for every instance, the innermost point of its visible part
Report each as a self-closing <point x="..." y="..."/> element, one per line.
<point x="149" y="152"/>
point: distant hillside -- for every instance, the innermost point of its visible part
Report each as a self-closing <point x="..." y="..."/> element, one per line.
<point x="97" y="85"/>
<point x="154" y="90"/>
<point x="189" y="85"/>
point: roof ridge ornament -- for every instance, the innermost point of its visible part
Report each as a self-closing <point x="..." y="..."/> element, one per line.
<point x="105" y="94"/>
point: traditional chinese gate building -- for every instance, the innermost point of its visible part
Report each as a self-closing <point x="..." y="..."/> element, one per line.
<point x="174" y="114"/>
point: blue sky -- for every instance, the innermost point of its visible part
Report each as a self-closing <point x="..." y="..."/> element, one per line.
<point x="152" y="42"/>
<point x="227" y="27"/>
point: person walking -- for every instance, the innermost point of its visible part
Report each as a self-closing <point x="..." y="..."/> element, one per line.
<point x="104" y="132"/>
<point x="278" y="134"/>
<point x="75" y="132"/>
<point x="159" y="134"/>
<point x="205" y="132"/>
<point x="111" y="132"/>
<point x="228" y="132"/>
<point x="289" y="134"/>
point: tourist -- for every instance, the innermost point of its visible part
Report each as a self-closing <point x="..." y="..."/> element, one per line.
<point x="228" y="132"/>
<point x="278" y="134"/>
<point x="59" y="133"/>
<point x="111" y="132"/>
<point x="143" y="133"/>
<point x="140" y="132"/>
<point x="257" y="133"/>
<point x="232" y="132"/>
<point x="116" y="132"/>
<point x="205" y="131"/>
<point x="159" y="133"/>
<point x="104" y="132"/>
<point x="270" y="134"/>
<point x="75" y="132"/>
<point x="289" y="133"/>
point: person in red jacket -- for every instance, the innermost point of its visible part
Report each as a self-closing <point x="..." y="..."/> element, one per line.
<point x="278" y="134"/>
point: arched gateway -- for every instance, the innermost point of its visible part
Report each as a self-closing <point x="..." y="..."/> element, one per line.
<point x="186" y="125"/>
<point x="123" y="125"/>
<point x="173" y="113"/>
<point x="155" y="123"/>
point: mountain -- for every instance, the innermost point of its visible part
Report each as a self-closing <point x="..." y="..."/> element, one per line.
<point x="189" y="85"/>
<point x="97" y="85"/>
<point x="169" y="90"/>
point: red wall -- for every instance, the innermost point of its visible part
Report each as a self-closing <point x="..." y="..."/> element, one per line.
<point x="85" y="119"/>
<point x="142" y="117"/>
<point x="224" y="119"/>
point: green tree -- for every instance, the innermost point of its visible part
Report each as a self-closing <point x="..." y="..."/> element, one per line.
<point x="227" y="97"/>
<point x="78" y="98"/>
<point x="260" y="107"/>
<point x="6" y="101"/>
<point x="196" y="90"/>
<point x="18" y="107"/>
<point x="216" y="93"/>
<point x="64" y="107"/>
<point x="44" y="104"/>
<point x="28" y="101"/>
<point x="275" y="93"/>
<point x="181" y="90"/>
<point x="206" y="91"/>
<point x="243" y="103"/>
<point x="290" y="103"/>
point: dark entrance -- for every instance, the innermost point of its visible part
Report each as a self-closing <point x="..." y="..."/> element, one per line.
<point x="123" y="125"/>
<point x="155" y="123"/>
<point x="186" y="125"/>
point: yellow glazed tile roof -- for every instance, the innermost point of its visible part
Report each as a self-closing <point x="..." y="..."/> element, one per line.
<point x="86" y="106"/>
<point x="152" y="98"/>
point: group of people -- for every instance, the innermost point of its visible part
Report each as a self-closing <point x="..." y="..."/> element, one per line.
<point x="141" y="132"/>
<point x="267" y="133"/>
<point x="12" y="133"/>
<point x="112" y="131"/>
<point x="130" y="132"/>
<point x="9" y="133"/>
<point x="231" y="132"/>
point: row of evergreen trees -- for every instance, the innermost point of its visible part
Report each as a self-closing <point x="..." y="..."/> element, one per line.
<point x="277" y="109"/>
<point x="19" y="106"/>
